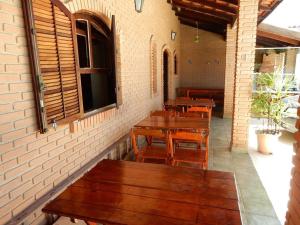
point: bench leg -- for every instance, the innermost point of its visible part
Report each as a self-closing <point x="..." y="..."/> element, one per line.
<point x="90" y="223"/>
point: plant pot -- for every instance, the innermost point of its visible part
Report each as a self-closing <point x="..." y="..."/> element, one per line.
<point x="267" y="142"/>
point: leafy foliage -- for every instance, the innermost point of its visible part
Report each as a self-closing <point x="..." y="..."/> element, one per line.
<point x="267" y="101"/>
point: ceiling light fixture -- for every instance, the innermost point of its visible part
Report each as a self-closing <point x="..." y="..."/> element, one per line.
<point x="138" y="5"/>
<point x="173" y="35"/>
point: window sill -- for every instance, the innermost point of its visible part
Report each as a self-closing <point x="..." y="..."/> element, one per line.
<point x="96" y="111"/>
<point x="94" y="117"/>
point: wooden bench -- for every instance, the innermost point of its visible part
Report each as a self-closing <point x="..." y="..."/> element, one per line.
<point x="216" y="94"/>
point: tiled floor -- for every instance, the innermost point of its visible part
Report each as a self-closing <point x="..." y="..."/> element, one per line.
<point x="256" y="208"/>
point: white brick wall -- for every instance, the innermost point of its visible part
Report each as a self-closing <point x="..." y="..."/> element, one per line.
<point x="245" y="53"/>
<point x="230" y="70"/>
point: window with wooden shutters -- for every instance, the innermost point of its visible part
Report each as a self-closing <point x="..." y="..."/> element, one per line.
<point x="65" y="74"/>
<point x="153" y="66"/>
<point x="50" y="29"/>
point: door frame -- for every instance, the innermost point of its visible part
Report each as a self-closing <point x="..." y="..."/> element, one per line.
<point x="167" y="50"/>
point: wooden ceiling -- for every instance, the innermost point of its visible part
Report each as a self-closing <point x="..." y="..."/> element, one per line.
<point x="214" y="15"/>
<point x="266" y="7"/>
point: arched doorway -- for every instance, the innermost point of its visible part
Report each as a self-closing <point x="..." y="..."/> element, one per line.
<point x="166" y="75"/>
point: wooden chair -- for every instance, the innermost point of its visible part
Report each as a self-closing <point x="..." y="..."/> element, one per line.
<point x="182" y="108"/>
<point x="150" y="151"/>
<point x="193" y="114"/>
<point x="204" y="111"/>
<point x="183" y="98"/>
<point x="163" y="113"/>
<point x="205" y="99"/>
<point x="169" y="108"/>
<point x="187" y="155"/>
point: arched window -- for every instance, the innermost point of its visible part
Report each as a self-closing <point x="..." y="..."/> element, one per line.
<point x="175" y="64"/>
<point x="153" y="66"/>
<point x="95" y="46"/>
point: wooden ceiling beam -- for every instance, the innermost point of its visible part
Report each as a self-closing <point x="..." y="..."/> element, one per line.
<point x="210" y="24"/>
<point x="223" y="7"/>
<point x="200" y="17"/>
<point x="267" y="10"/>
<point x="202" y="5"/>
<point x="234" y="2"/>
<point x="290" y="41"/>
<point x="210" y="12"/>
<point x="265" y="42"/>
<point x="204" y="26"/>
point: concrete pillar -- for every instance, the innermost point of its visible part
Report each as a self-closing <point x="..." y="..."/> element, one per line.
<point x="230" y="70"/>
<point x="245" y="56"/>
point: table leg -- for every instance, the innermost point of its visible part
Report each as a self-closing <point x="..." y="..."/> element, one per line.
<point x="94" y="223"/>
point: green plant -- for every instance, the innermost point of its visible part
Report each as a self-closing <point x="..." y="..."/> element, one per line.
<point x="267" y="100"/>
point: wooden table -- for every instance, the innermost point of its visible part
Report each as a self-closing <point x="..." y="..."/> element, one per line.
<point x="122" y="192"/>
<point x="189" y="102"/>
<point x="173" y="123"/>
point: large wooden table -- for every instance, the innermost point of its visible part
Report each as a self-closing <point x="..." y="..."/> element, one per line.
<point x="121" y="192"/>
<point x="190" y="102"/>
<point x="173" y="123"/>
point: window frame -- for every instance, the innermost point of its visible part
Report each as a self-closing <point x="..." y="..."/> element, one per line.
<point x="103" y="28"/>
<point x="153" y="67"/>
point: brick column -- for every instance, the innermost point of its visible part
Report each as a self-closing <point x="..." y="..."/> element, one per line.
<point x="245" y="55"/>
<point x="293" y="213"/>
<point x="230" y="70"/>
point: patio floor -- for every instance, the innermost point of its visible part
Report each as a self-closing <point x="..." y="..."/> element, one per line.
<point x="256" y="208"/>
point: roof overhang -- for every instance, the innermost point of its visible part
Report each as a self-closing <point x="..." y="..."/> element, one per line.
<point x="214" y="15"/>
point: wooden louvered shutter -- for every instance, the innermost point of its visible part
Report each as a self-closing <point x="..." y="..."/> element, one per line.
<point x="154" y="68"/>
<point x="53" y="27"/>
<point x="116" y="62"/>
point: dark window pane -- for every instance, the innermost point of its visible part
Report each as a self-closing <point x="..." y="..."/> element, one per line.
<point x="100" y="46"/>
<point x="98" y="90"/>
<point x="82" y="42"/>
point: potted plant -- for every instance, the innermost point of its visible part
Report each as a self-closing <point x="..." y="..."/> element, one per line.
<point x="267" y="104"/>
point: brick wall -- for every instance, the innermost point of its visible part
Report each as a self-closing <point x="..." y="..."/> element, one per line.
<point x="31" y="163"/>
<point x="245" y="55"/>
<point x="203" y="63"/>
<point x="272" y="61"/>
<point x="284" y="60"/>
<point x="293" y="214"/>
<point x="229" y="70"/>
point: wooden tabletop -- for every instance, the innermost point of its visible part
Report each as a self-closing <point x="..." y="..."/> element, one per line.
<point x="190" y="102"/>
<point x="165" y="122"/>
<point x="122" y="192"/>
